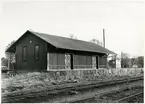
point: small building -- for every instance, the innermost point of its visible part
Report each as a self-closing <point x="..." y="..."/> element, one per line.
<point x="42" y="52"/>
<point x="118" y="61"/>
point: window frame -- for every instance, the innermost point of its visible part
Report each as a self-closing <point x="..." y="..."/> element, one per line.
<point x="24" y="57"/>
<point x="37" y="58"/>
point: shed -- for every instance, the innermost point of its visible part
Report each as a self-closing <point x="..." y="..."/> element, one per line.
<point x="43" y="52"/>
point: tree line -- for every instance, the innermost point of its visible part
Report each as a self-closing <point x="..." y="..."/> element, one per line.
<point x="127" y="62"/>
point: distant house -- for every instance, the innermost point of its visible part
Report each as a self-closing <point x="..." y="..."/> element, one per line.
<point x="118" y="61"/>
<point x="114" y="61"/>
<point x="40" y="52"/>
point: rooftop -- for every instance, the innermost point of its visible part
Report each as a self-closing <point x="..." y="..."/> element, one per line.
<point x="68" y="43"/>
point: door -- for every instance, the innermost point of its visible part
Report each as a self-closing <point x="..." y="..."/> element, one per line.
<point x="71" y="61"/>
<point x="97" y="62"/>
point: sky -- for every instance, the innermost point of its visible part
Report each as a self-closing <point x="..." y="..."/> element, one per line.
<point x="122" y="20"/>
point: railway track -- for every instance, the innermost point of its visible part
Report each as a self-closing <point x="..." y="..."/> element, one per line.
<point x="129" y="98"/>
<point x="125" y="95"/>
<point x="33" y="96"/>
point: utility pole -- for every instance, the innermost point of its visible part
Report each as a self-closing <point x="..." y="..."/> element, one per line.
<point x="8" y="61"/>
<point x="104" y="38"/>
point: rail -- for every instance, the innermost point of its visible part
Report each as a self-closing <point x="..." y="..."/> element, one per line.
<point x="128" y="97"/>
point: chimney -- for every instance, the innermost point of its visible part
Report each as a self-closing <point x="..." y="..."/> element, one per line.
<point x="104" y="38"/>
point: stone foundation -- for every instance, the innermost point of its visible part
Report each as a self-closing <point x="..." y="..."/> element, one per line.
<point x="94" y="73"/>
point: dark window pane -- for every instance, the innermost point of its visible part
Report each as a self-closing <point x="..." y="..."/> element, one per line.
<point x="37" y="52"/>
<point x="24" y="53"/>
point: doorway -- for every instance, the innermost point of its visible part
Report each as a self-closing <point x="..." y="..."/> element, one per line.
<point x="97" y="62"/>
<point x="71" y="61"/>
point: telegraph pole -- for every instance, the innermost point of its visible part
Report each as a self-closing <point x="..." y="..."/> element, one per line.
<point x="8" y="61"/>
<point x="104" y="38"/>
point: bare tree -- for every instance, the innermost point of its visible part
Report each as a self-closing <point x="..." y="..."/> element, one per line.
<point x="96" y="41"/>
<point x="140" y="61"/>
<point x="10" y="56"/>
<point x="72" y="36"/>
<point x="125" y="60"/>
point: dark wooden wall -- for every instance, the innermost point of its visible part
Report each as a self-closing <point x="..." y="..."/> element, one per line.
<point x="80" y="59"/>
<point x="102" y="62"/>
<point x="30" y="63"/>
<point x="56" y="61"/>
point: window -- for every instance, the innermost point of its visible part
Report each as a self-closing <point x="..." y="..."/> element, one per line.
<point x="36" y="52"/>
<point x="24" y="53"/>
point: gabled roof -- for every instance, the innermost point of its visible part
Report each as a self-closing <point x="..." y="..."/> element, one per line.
<point x="71" y="44"/>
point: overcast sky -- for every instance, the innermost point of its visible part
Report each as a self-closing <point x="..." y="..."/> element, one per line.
<point x="123" y="22"/>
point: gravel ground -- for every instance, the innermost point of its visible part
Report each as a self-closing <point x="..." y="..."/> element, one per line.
<point x="116" y="95"/>
<point x="137" y="99"/>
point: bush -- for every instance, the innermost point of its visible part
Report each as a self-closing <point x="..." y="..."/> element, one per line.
<point x="25" y="81"/>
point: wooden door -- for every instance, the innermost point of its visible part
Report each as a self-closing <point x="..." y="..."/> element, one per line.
<point x="71" y="61"/>
<point x="97" y="62"/>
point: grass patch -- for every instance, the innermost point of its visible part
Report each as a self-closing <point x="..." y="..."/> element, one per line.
<point x="38" y="80"/>
<point x="26" y="81"/>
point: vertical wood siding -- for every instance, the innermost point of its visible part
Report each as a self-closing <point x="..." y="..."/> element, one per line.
<point x="52" y="60"/>
<point x="102" y="62"/>
<point x="82" y="61"/>
<point x="60" y="61"/>
<point x="89" y="61"/>
<point x="30" y="64"/>
<point x="56" y="61"/>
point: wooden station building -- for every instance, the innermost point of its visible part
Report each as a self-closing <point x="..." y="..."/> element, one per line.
<point x="42" y="52"/>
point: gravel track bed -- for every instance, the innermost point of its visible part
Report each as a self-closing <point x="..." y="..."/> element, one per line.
<point x="89" y="93"/>
<point x="112" y="97"/>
